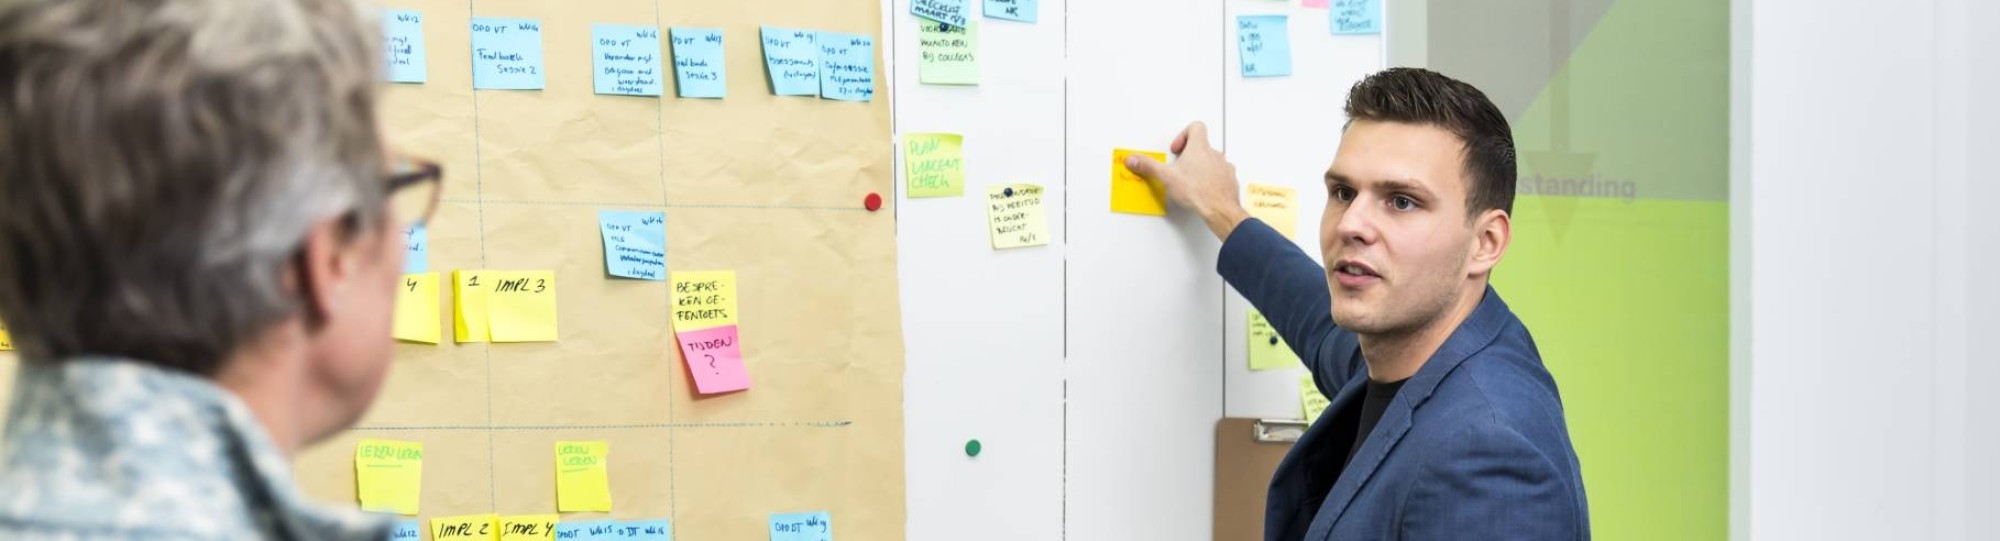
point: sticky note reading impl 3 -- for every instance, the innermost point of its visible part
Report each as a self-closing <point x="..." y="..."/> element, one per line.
<point x="507" y="54"/>
<point x="626" y="59"/>
<point x="1133" y="194"/>
<point x="1310" y="398"/>
<point x="934" y="164"/>
<point x="809" y="526"/>
<point x="947" y="56"/>
<point x="1277" y="206"/>
<point x="504" y="306"/>
<point x="529" y="527"/>
<point x="582" y="482"/>
<point x="1015" y="216"/>
<point x="635" y="243"/>
<point x="1267" y="350"/>
<point x="389" y="475"/>
<point x="466" y="528"/>
<point x="792" y="58"/>
<point x="417" y="317"/>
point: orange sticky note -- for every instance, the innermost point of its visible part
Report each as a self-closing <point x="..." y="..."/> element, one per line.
<point x="1277" y="206"/>
<point x="1133" y="194"/>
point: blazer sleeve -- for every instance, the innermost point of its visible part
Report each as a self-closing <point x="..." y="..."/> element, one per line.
<point x="1493" y="481"/>
<point x="1289" y="288"/>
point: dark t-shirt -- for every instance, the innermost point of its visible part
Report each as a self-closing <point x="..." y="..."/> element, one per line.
<point x="1372" y="406"/>
<point x="1320" y="476"/>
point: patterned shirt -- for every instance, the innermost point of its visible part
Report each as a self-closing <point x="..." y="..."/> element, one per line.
<point x="113" y="449"/>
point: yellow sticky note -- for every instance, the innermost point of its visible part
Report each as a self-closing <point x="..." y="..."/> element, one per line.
<point x="417" y="309"/>
<point x="1309" y="398"/>
<point x="389" y="474"/>
<point x="1133" y="194"/>
<point x="521" y="306"/>
<point x="468" y="305"/>
<point x="1015" y="216"/>
<point x="528" y="527"/>
<point x="704" y="299"/>
<point x="465" y="528"/>
<point x="1267" y="350"/>
<point x="934" y="164"/>
<point x="6" y="340"/>
<point x="582" y="483"/>
<point x="1277" y="206"/>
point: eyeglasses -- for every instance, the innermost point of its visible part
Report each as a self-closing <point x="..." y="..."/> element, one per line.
<point x="413" y="187"/>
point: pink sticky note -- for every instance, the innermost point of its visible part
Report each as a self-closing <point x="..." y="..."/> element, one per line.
<point x="1315" y="3"/>
<point x="715" y="359"/>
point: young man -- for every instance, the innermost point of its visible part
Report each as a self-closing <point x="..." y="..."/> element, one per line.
<point x="1444" y="423"/>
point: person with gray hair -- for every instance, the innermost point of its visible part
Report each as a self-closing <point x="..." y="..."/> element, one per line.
<point x="200" y="243"/>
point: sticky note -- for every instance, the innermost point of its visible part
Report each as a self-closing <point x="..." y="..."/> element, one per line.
<point x="468" y="306"/>
<point x="809" y="526"/>
<point x="1268" y="351"/>
<point x="507" y="54"/>
<point x="635" y="243"/>
<point x="1012" y="10"/>
<point x="6" y="340"/>
<point x="529" y="527"/>
<point x="699" y="70"/>
<point x="792" y="58"/>
<point x="947" y="56"/>
<point x="626" y="59"/>
<point x="416" y="250"/>
<point x="934" y="164"/>
<point x="521" y="306"/>
<point x="952" y="12"/>
<point x="704" y="299"/>
<point x="714" y="358"/>
<point x="1313" y="3"/>
<point x="582" y="483"/>
<point x="417" y="318"/>
<point x="645" y="530"/>
<point x="846" y="66"/>
<point x="1016" y="217"/>
<point x="1133" y="194"/>
<point x="407" y="530"/>
<point x="593" y="530"/>
<point x="468" y="527"/>
<point x="1310" y="399"/>
<point x="1356" y="16"/>
<point x="1277" y="206"/>
<point x="1265" y="44"/>
<point x="389" y="475"/>
<point x="403" y="46"/>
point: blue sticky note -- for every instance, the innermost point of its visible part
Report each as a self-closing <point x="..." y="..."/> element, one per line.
<point x="951" y="12"/>
<point x="403" y="46"/>
<point x="407" y="530"/>
<point x="416" y="250"/>
<point x="846" y="66"/>
<point x="595" y="530"/>
<point x="644" y="530"/>
<point x="1266" y="45"/>
<point x="1012" y="10"/>
<point x="626" y="59"/>
<point x="792" y="58"/>
<point x="635" y="243"/>
<point x="507" y="54"/>
<point x="809" y="526"/>
<point x="1356" y="16"/>
<point x="699" y="69"/>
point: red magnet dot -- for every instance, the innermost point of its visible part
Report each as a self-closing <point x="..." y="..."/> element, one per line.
<point x="873" y="202"/>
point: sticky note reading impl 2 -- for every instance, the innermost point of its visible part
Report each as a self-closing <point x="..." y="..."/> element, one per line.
<point x="1133" y="194"/>
<point x="952" y="12"/>
<point x="1277" y="206"/>
<point x="582" y="481"/>
<point x="1356" y="17"/>
<point x="1015" y="214"/>
<point x="705" y="326"/>
<point x="403" y="46"/>
<point x="635" y="243"/>
<point x="417" y="318"/>
<point x="1265" y="44"/>
<point x="947" y="56"/>
<point x="1268" y="351"/>
<point x="529" y="527"/>
<point x="699" y="70"/>
<point x="792" y="58"/>
<point x="809" y="526"/>
<point x="934" y="164"/>
<point x="1013" y="10"/>
<point x="466" y="528"/>
<point x="626" y="59"/>
<point x="507" y="54"/>
<point x="389" y="475"/>
<point x="846" y="66"/>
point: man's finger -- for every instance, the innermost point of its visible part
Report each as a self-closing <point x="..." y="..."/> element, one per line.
<point x="1196" y="134"/>
<point x="1145" y="166"/>
<point x="1180" y="142"/>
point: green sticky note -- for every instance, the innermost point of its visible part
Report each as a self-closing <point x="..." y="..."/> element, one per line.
<point x="934" y="164"/>
<point x="948" y="56"/>
<point x="1267" y="350"/>
<point x="1310" y="398"/>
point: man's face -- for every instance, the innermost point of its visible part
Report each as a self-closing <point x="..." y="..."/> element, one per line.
<point x="354" y="349"/>
<point x="1395" y="234"/>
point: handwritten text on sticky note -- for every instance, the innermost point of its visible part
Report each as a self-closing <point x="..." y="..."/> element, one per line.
<point x="466" y="528"/>
<point x="625" y="59"/>
<point x="507" y="54"/>
<point x="416" y="250"/>
<point x="846" y="66"/>
<point x="1016" y="217"/>
<point x="704" y="299"/>
<point x="699" y="70"/>
<point x="1310" y="399"/>
<point x="1013" y="10"/>
<point x="403" y="46"/>
<point x="810" y="526"/>
<point x="635" y="243"/>
<point x="1277" y="206"/>
<point x="1356" y="16"/>
<point x="521" y="306"/>
<point x="417" y="318"/>
<point x="407" y="530"/>
<point x="792" y="58"/>
<point x="468" y="306"/>
<point x="952" y="12"/>
<point x="529" y="527"/>
<point x="715" y="358"/>
<point x="1265" y="44"/>
<point x="582" y="481"/>
<point x="389" y="475"/>
<point x="934" y="164"/>
<point x="1133" y="194"/>
<point x="947" y="56"/>
<point x="1268" y="351"/>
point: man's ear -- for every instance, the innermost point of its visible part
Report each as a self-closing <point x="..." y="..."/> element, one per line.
<point x="1492" y="232"/>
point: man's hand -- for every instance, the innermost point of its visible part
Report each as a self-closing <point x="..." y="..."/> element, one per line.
<point x="1201" y="180"/>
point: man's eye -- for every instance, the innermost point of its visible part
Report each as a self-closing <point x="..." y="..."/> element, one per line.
<point x="1402" y="203"/>
<point x="1343" y="194"/>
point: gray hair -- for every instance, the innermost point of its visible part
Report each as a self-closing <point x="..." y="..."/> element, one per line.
<point x="162" y="161"/>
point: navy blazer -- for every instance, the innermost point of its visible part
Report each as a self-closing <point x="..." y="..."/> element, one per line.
<point x="1473" y="447"/>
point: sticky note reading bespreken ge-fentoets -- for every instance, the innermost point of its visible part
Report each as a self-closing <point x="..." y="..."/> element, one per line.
<point x="705" y="325"/>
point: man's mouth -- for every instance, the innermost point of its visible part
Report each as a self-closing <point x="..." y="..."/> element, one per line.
<point x="1354" y="274"/>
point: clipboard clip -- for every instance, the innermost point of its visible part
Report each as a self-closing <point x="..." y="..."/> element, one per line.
<point x="1279" y="430"/>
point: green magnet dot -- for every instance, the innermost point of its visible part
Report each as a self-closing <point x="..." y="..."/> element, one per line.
<point x="972" y="448"/>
